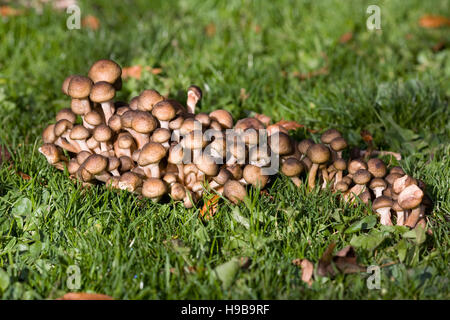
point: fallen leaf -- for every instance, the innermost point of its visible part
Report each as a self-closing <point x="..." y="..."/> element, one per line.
<point x="366" y="136"/>
<point x="344" y="261"/>
<point x="289" y="125"/>
<point x="23" y="175"/>
<point x="210" y="207"/>
<point x="136" y="71"/>
<point x="85" y="296"/>
<point x="433" y="21"/>
<point x="91" y="22"/>
<point x="266" y="120"/>
<point x="346" y="37"/>
<point x="257" y="28"/>
<point x="4" y="154"/>
<point x="210" y="29"/>
<point x="307" y="269"/>
<point x="7" y="11"/>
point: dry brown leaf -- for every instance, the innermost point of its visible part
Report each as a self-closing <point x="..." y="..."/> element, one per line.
<point x="210" y="29"/>
<point x="433" y="21"/>
<point x="136" y="71"/>
<point x="23" y="175"/>
<point x="346" y="37"/>
<point x="243" y="95"/>
<point x="91" y="22"/>
<point x="85" y="296"/>
<point x="266" y="120"/>
<point x="210" y="207"/>
<point x="289" y="125"/>
<point x="7" y="11"/>
<point x="344" y="261"/>
<point x="307" y="269"/>
<point x="257" y="28"/>
<point x="4" y="154"/>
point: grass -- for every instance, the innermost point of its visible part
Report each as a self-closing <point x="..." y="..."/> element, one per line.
<point x="389" y="82"/>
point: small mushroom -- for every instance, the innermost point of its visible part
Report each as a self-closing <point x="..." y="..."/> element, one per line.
<point x="400" y="213"/>
<point x="164" y="111"/>
<point x="80" y="134"/>
<point x="377" y="167"/>
<point x="340" y="165"/>
<point x="129" y="181"/>
<point x="234" y="191"/>
<point x="97" y="165"/>
<point x="378" y="185"/>
<point x="147" y="99"/>
<point x="337" y="145"/>
<point x="207" y="166"/>
<point x="103" y="92"/>
<point x="150" y="156"/>
<point x="401" y="183"/>
<point x="411" y="198"/>
<point x="66" y="114"/>
<point x="161" y="135"/>
<point x="194" y="95"/>
<point x="220" y="179"/>
<point x="318" y="154"/>
<point x="103" y="135"/>
<point x="93" y="119"/>
<point x="105" y="70"/>
<point x="360" y="178"/>
<point x="53" y="155"/>
<point x="292" y="168"/>
<point x="223" y="117"/>
<point x="154" y="188"/>
<point x="382" y="205"/>
<point x="253" y="175"/>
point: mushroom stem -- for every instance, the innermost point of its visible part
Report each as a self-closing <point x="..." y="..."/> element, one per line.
<point x="152" y="170"/>
<point x="297" y="181"/>
<point x="108" y="110"/>
<point x="325" y="177"/>
<point x="385" y="216"/>
<point x="414" y="217"/>
<point x="378" y="191"/>
<point x="141" y="138"/>
<point x="400" y="218"/>
<point x="312" y="176"/>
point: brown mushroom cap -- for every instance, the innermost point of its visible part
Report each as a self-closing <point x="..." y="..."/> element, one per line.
<point x="93" y="118"/>
<point x="223" y="117"/>
<point x="362" y="176"/>
<point x="102" y="133"/>
<point x="338" y="144"/>
<point x="203" y="118"/>
<point x="318" y="153"/>
<point x="154" y="188"/>
<point x="340" y="164"/>
<point x="67" y="114"/>
<point x="73" y="166"/>
<point x="377" y="167"/>
<point x="206" y="164"/>
<point x="377" y="183"/>
<point x="95" y="164"/>
<point x="61" y="126"/>
<point x="355" y="165"/>
<point x="223" y="176"/>
<point x="82" y="156"/>
<point x="126" y="164"/>
<point x="329" y="136"/>
<point x="410" y="197"/>
<point x="382" y="202"/>
<point x="292" y="167"/>
<point x="248" y="123"/>
<point x="147" y="99"/>
<point x="194" y="140"/>
<point x="152" y="152"/>
<point x="125" y="140"/>
<point x="284" y="145"/>
<point x="161" y="135"/>
<point x="304" y="145"/>
<point x="196" y="90"/>
<point x="163" y="111"/>
<point x="401" y="183"/>
<point x="176" y="123"/>
<point x="176" y="154"/>
<point x="391" y="177"/>
<point x="347" y="180"/>
<point x="252" y="175"/>
<point x="113" y="163"/>
<point x="189" y="125"/>
<point x="79" y="87"/>
<point x="102" y="92"/>
<point x="142" y="121"/>
<point x="79" y="132"/>
<point x="129" y="181"/>
<point x="65" y="85"/>
<point x="396" y="207"/>
<point x="234" y="191"/>
<point x="397" y="170"/>
<point x="48" y="135"/>
<point x="51" y="152"/>
<point x="235" y="170"/>
<point x="105" y="70"/>
<point x="341" y="186"/>
<point x="80" y="106"/>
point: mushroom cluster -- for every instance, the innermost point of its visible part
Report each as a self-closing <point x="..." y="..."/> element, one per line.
<point x="157" y="147"/>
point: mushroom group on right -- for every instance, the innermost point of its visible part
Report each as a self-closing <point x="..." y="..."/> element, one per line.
<point x="159" y="148"/>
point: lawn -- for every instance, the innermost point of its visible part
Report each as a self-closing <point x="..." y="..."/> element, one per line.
<point x="292" y="62"/>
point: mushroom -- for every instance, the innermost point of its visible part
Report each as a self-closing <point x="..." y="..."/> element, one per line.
<point x="105" y="70"/>
<point x="329" y="136"/>
<point x="194" y="94"/>
<point x="113" y="166"/>
<point x="280" y="143"/>
<point x="397" y="170"/>
<point x="147" y="99"/>
<point x="235" y="170"/>
<point x="400" y="213"/>
<point x="93" y="119"/>
<point x="340" y="165"/>
<point x="175" y="126"/>
<point x="236" y="151"/>
<point x="234" y="191"/>
<point x="53" y="155"/>
<point x="190" y="172"/>
<point x="378" y="185"/>
<point x="391" y="177"/>
<point x="253" y="175"/>
<point x="80" y="134"/>
<point x="176" y="155"/>
<point x="411" y="198"/>
<point x="259" y="155"/>
<point x="129" y="181"/>
<point x="382" y="205"/>
<point x="67" y="114"/>
<point x="338" y="144"/>
<point x="177" y="191"/>
<point x="48" y="136"/>
<point x="365" y="197"/>
<point x="73" y="166"/>
<point x="103" y="92"/>
<point x="377" y="167"/>
<point x="341" y="186"/>
<point x="319" y="154"/>
<point x="204" y="119"/>
<point x="193" y="141"/>
<point x="401" y="183"/>
<point x="292" y="168"/>
<point x="355" y="165"/>
<point x="154" y="189"/>
<point x="97" y="165"/>
<point x="62" y="130"/>
<point x="304" y="145"/>
<point x="139" y="124"/>
<point x="360" y="178"/>
<point x="206" y="165"/>
<point x="150" y="156"/>
<point x="103" y="135"/>
<point x="161" y="135"/>
<point x="126" y="164"/>
<point x="223" y="117"/>
<point x="220" y="179"/>
<point x="79" y="89"/>
<point x="65" y="85"/>
<point x="164" y="112"/>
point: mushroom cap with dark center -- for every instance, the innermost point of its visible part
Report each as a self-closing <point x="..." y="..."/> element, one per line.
<point x="292" y="167"/>
<point x="248" y="123"/>
<point x="203" y="118"/>
<point x="102" y="92"/>
<point x="253" y="175"/>
<point x="362" y="176"/>
<point x="382" y="202"/>
<point x="410" y="197"/>
<point x="338" y="144"/>
<point x="341" y="186"/>
<point x="154" y="188"/>
<point x="401" y="183"/>
<point x="329" y="136"/>
<point x="79" y="132"/>
<point x="340" y="164"/>
<point x="82" y="156"/>
<point x="93" y="118"/>
<point x="223" y="117"/>
<point x="355" y="165"/>
<point x="143" y="122"/>
<point x="223" y="176"/>
<point x="196" y="90"/>
<point x="48" y="135"/>
<point x="67" y="114"/>
<point x="284" y="145"/>
<point x="377" y="183"/>
<point x="102" y="133"/>
<point x="304" y="145"/>
<point x="125" y="140"/>
<point x="152" y="152"/>
<point x="391" y="177"/>
<point x="377" y="167"/>
<point x="234" y="191"/>
<point x="105" y="70"/>
<point x="318" y="153"/>
<point x="163" y="111"/>
<point x="161" y="135"/>
<point x="235" y="170"/>
<point x="61" y="126"/>
<point x="80" y="87"/>
<point x="65" y="85"/>
<point x="397" y="170"/>
<point x="127" y="118"/>
<point x="147" y="99"/>
<point x="95" y="164"/>
<point x="206" y="164"/>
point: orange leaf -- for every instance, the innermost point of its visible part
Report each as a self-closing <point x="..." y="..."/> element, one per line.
<point x="366" y="136"/>
<point x="132" y="72"/>
<point x="210" y="207"/>
<point x="7" y="11"/>
<point x="91" y="22"/>
<point x="307" y="269"/>
<point x="432" y="21"/>
<point x="210" y="29"/>
<point x="23" y="175"/>
<point x="85" y="296"/>
<point x="289" y="125"/>
<point x="263" y="118"/>
<point x="346" y="37"/>
<point x="4" y="154"/>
